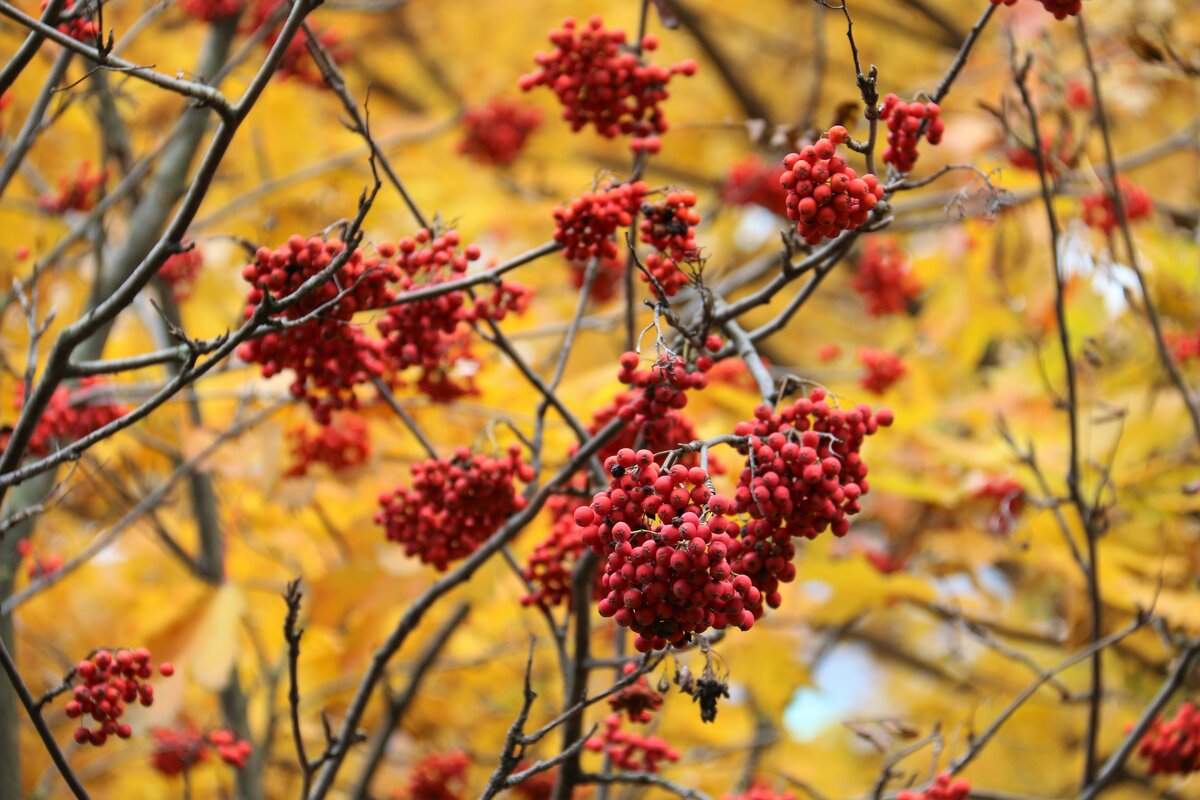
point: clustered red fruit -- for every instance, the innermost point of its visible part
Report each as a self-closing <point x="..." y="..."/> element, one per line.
<point x="884" y="278"/>
<point x="69" y="415"/>
<point x="181" y="270"/>
<point x="39" y="565"/>
<point x="1078" y="95"/>
<point x="631" y="751"/>
<point x="1057" y="154"/>
<point x="211" y="10"/>
<point x="77" y="193"/>
<point x="1173" y="746"/>
<point x="585" y="228"/>
<point x="453" y="505"/>
<point x="945" y="787"/>
<point x="601" y="81"/>
<point x="804" y="474"/>
<point x="328" y="355"/>
<point x="881" y="369"/>
<point x="296" y="61"/>
<point x="760" y="791"/>
<point x="667" y="226"/>
<point x="904" y="123"/>
<point x="1184" y="345"/>
<point x="1007" y="498"/>
<point x="340" y="446"/>
<point x="496" y="133"/>
<point x="548" y="571"/>
<point x="538" y="786"/>
<point x="437" y="776"/>
<point x="176" y="750"/>
<point x="1099" y="211"/>
<point x="825" y="196"/>
<point x="75" y="24"/>
<point x="1061" y="9"/>
<point x="110" y="680"/>
<point x="752" y="181"/>
<point x="667" y="551"/>
<point x="637" y="699"/>
<point x="609" y="272"/>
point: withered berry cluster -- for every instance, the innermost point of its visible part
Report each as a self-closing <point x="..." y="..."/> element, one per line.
<point x="496" y="133"/>
<point x="904" y="123"/>
<point x="638" y="699"/>
<point x="884" y="278"/>
<point x="453" y="505"/>
<point x="602" y="81"/>
<point x="825" y="195"/>
<point x="110" y="680"/>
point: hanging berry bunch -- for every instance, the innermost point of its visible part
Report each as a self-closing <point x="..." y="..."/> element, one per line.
<point x="1100" y="213"/>
<point x="666" y="550"/>
<point x="609" y="272"/>
<point x="177" y="750"/>
<point x="667" y="226"/>
<point x="327" y="355"/>
<point x="453" y="505"/>
<point x="340" y="446"/>
<point x="752" y="181"/>
<point x="884" y="278"/>
<point x="586" y="226"/>
<point x="637" y="699"/>
<point x="109" y="681"/>
<point x="803" y="475"/>
<point x="496" y="133"/>
<point x="69" y="415"/>
<point x="437" y="776"/>
<point x="881" y="369"/>
<point x="181" y="270"/>
<point x="602" y="81"/>
<point x="548" y="570"/>
<point x="79" y="192"/>
<point x="76" y="21"/>
<point x="1173" y="746"/>
<point x="296" y="61"/>
<point x="825" y="195"/>
<point x="945" y="787"/>
<point x="631" y="751"/>
<point x="904" y="123"/>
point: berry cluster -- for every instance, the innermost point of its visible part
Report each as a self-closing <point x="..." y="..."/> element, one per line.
<point x="825" y="196"/>
<point x="1056" y="154"/>
<point x="637" y="699"/>
<point x="803" y="475"/>
<point x="78" y="193"/>
<point x="1061" y="9"/>
<point x="1099" y="211"/>
<point x="585" y="228"/>
<point x="884" y="278"/>
<point x="881" y="369"/>
<point x="340" y="446"/>
<point x="495" y="133"/>
<point x="752" y="181"/>
<point x="610" y="270"/>
<point x="548" y="571"/>
<point x="601" y="81"/>
<point x="296" y="61"/>
<point x="453" y="505"/>
<point x="437" y="776"/>
<point x="671" y="578"/>
<point x="631" y="751"/>
<point x="328" y="355"/>
<point x="1077" y="95"/>
<point x="75" y="22"/>
<point x="652" y="407"/>
<point x="211" y="10"/>
<point x="68" y="416"/>
<point x="944" y="787"/>
<point x="1007" y="498"/>
<point x="110" y="680"/>
<point x="39" y="564"/>
<point x="176" y="750"/>
<point x="1185" y="346"/>
<point x="904" y="123"/>
<point x="667" y="226"/>
<point x="760" y="791"/>
<point x="538" y="786"/>
<point x="181" y="270"/>
<point x="1173" y="746"/>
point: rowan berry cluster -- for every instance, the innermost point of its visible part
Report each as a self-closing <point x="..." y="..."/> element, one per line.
<point x="340" y="446"/>
<point x="825" y="196"/>
<point x="69" y="415"/>
<point x="752" y="181"/>
<point x="760" y="791"/>
<point x="539" y="785"/>
<point x="39" y="564"/>
<point x="904" y="123"/>
<point x="609" y="272"/>
<point x="548" y="571"/>
<point x="176" y="750"/>
<point x="296" y="61"/>
<point x="496" y="133"/>
<point x="884" y="278"/>
<point x="1173" y="746"/>
<point x="74" y="22"/>
<point x="437" y="776"/>
<point x="1061" y="9"/>
<point x="211" y="10"/>
<point x="1007" y="498"/>
<point x="1185" y="345"/>
<point x="1056" y="154"/>
<point x="945" y="787"/>
<point x="586" y="226"/>
<point x="110" y="680"/>
<point x="79" y="192"/>
<point x="453" y="505"/>
<point x="804" y="474"/>
<point x="667" y="226"/>
<point x="631" y="751"/>
<point x="327" y="355"/>
<point x="1100" y="212"/>
<point x="181" y="270"/>
<point x="881" y="369"/>
<point x="602" y="81"/>
<point x="637" y="699"/>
